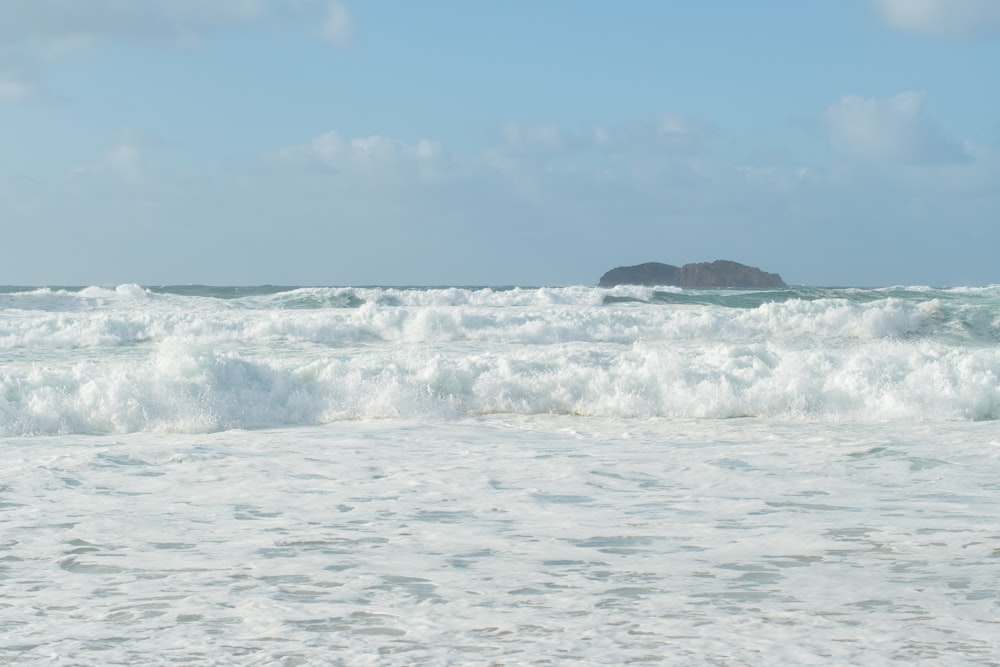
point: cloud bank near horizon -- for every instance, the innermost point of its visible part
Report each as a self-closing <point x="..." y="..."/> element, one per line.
<point x="539" y="192"/>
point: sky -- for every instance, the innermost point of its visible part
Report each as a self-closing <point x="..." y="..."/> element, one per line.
<point x="456" y="142"/>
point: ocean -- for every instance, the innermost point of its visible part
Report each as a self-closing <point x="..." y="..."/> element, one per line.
<point x="499" y="476"/>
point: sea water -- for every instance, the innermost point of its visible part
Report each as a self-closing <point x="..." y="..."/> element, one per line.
<point x="577" y="475"/>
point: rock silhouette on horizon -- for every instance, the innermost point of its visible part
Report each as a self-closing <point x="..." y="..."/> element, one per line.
<point x="720" y="273"/>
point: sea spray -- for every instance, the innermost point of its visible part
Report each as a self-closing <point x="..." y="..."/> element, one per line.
<point x="130" y="359"/>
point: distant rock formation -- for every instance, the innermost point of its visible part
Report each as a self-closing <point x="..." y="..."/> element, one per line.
<point x="720" y="273"/>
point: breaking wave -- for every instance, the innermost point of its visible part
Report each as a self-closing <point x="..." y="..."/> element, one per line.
<point x="98" y="360"/>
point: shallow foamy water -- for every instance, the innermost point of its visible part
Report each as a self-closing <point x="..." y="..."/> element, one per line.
<point x="507" y="540"/>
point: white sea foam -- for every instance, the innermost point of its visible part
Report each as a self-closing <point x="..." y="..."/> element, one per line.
<point x="505" y="540"/>
<point x="499" y="476"/>
<point x="124" y="360"/>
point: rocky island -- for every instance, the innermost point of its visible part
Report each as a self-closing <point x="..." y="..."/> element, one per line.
<point x="720" y="273"/>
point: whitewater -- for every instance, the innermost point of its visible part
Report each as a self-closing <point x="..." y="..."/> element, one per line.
<point x="460" y="475"/>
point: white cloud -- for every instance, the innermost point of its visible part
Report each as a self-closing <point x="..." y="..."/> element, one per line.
<point x="124" y="158"/>
<point x="122" y="161"/>
<point x="671" y="133"/>
<point x="890" y="130"/>
<point x="13" y="90"/>
<point x="948" y="19"/>
<point x="683" y="133"/>
<point x="338" y="26"/>
<point x="423" y="206"/>
<point x="601" y="136"/>
<point x="373" y="157"/>
<point x="531" y="164"/>
<point x="530" y="138"/>
<point x="334" y="150"/>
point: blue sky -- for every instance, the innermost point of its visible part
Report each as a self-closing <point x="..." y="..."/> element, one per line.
<point x="837" y="142"/>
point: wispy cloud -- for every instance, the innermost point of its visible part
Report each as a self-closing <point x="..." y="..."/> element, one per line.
<point x="532" y="138"/>
<point x="945" y="19"/>
<point x="48" y="23"/>
<point x="14" y="90"/>
<point x="373" y="159"/>
<point x="889" y="130"/>
<point x="123" y="161"/>
<point x="683" y="133"/>
<point x="668" y="133"/>
<point x="338" y="25"/>
<point x="36" y="35"/>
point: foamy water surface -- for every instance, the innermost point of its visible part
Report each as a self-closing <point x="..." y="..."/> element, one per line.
<point x="474" y="476"/>
<point x="561" y="539"/>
